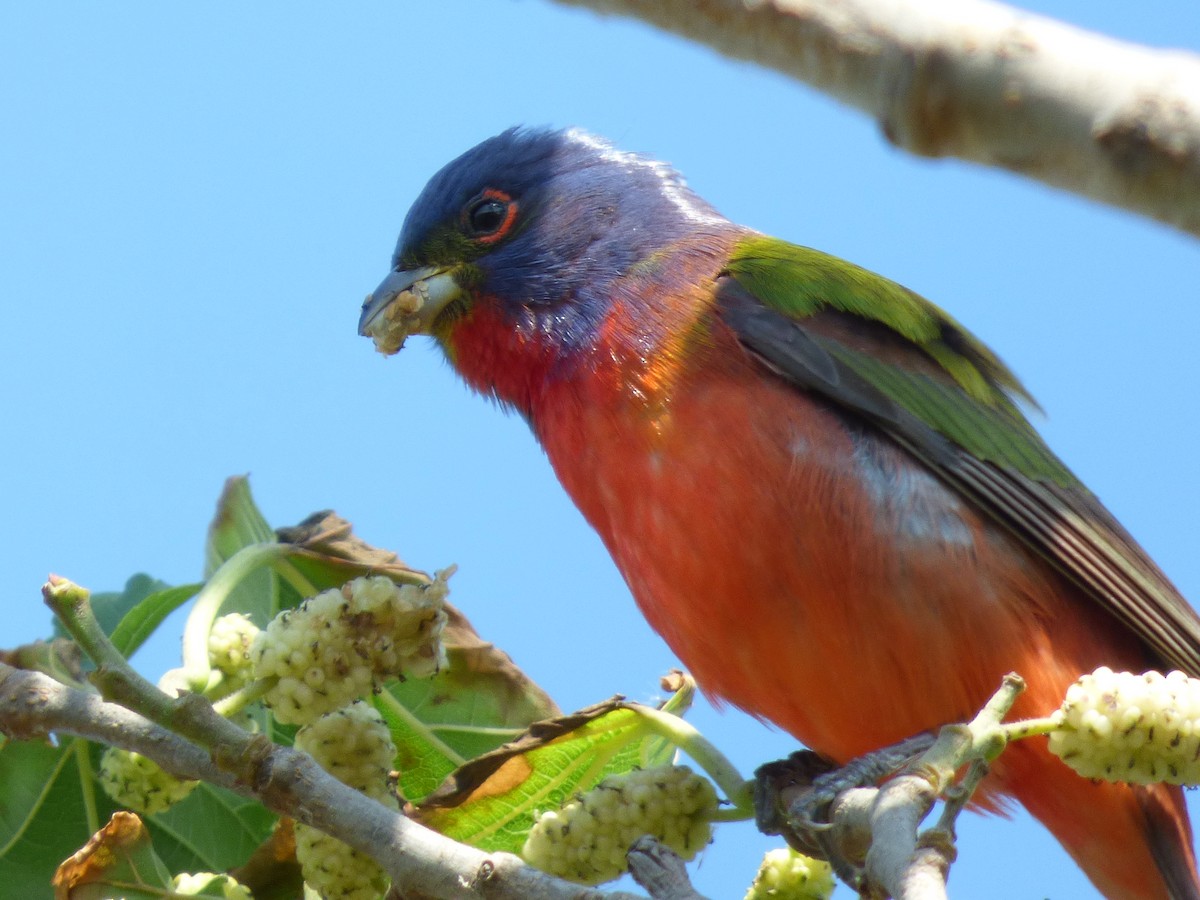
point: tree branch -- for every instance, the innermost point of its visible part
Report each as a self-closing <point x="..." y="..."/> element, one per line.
<point x="897" y="859"/>
<point x="658" y="869"/>
<point x="288" y="783"/>
<point x="1113" y="121"/>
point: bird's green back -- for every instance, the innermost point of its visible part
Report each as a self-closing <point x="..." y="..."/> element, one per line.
<point x="955" y="384"/>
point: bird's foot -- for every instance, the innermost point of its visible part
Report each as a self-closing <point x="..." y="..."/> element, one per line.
<point x="786" y="785"/>
<point x="792" y="797"/>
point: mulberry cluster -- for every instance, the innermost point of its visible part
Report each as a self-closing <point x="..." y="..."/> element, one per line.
<point x="341" y="644"/>
<point x="354" y="745"/>
<point x="139" y="783"/>
<point x="229" y="647"/>
<point x="1135" y="728"/>
<point x="586" y="841"/>
<point x="335" y="870"/>
<point x="787" y="875"/>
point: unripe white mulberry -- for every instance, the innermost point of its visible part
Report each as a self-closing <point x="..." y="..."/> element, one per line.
<point x="335" y="870"/>
<point x="1141" y="729"/>
<point x="202" y="883"/>
<point x="229" y="646"/>
<point x="139" y="783"/>
<point x="353" y="745"/>
<point x="341" y="644"/>
<point x="586" y="841"/>
<point x="787" y="875"/>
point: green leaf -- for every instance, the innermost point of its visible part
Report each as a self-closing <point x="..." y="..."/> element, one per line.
<point x="110" y="609"/>
<point x="491" y="802"/>
<point x="654" y="749"/>
<point x="236" y="524"/>
<point x="212" y="830"/>
<point x="423" y="760"/>
<point x="60" y="658"/>
<point x="49" y="807"/>
<point x="239" y="558"/>
<point x="479" y="701"/>
<point x="141" y="621"/>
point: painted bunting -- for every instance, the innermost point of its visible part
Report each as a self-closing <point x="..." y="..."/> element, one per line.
<point x="821" y="490"/>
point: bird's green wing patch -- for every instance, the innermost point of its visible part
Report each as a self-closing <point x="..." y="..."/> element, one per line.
<point x="956" y="385"/>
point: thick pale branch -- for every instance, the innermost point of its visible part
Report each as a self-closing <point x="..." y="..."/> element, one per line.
<point x="288" y="783"/>
<point x="882" y="824"/>
<point x="33" y="706"/>
<point x="982" y="82"/>
<point x="894" y="861"/>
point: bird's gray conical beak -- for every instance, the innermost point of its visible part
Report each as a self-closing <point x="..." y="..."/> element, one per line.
<point x="406" y="302"/>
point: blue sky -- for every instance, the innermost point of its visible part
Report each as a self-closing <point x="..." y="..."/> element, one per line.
<point x="195" y="200"/>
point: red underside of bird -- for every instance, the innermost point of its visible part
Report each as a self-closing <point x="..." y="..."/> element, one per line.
<point x="817" y="485"/>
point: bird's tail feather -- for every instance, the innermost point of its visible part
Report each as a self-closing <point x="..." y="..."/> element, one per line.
<point x="1134" y="843"/>
<point x="1170" y="837"/>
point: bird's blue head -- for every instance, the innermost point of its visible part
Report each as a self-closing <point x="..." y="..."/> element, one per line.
<point x="540" y="222"/>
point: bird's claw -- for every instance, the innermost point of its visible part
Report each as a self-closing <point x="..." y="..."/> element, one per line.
<point x="792" y="796"/>
<point x="783" y="794"/>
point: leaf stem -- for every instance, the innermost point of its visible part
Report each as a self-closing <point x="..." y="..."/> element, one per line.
<point x="1015" y="731"/>
<point x="684" y="735"/>
<point x="293" y="576"/>
<point x="234" y="703"/>
<point x="731" y="814"/>
<point x="87" y="784"/>
<point x="212" y="596"/>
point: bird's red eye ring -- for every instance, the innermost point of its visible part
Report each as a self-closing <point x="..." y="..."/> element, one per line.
<point x="490" y="216"/>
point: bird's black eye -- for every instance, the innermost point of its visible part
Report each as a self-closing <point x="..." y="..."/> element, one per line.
<point x="489" y="216"/>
